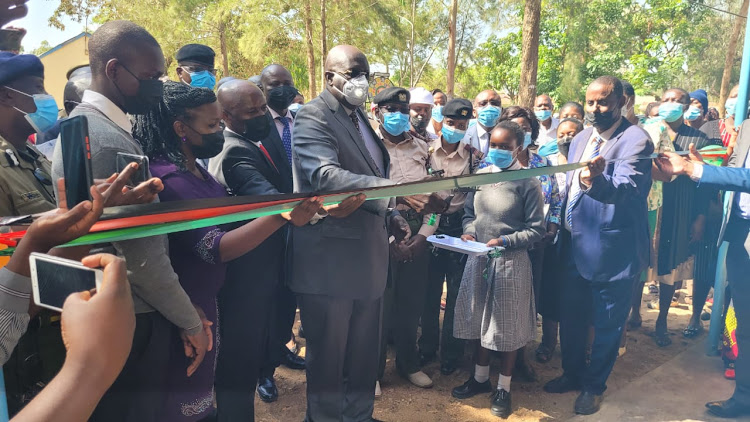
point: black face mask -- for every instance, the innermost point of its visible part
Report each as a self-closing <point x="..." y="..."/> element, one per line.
<point x="563" y="145"/>
<point x="150" y="93"/>
<point x="281" y="97"/>
<point x="418" y="123"/>
<point x="211" y="145"/>
<point x="602" y="121"/>
<point x="257" y="128"/>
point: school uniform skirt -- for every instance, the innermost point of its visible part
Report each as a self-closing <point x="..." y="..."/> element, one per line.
<point x="495" y="302"/>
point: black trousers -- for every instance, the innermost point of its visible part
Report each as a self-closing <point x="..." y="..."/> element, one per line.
<point x="279" y="329"/>
<point x="449" y="267"/>
<point x="605" y="305"/>
<point x="140" y="390"/>
<point x="738" y="268"/>
<point x="246" y="302"/>
<point x="342" y="338"/>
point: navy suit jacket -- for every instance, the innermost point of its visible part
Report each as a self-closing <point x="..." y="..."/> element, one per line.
<point x="726" y="178"/>
<point x="610" y="222"/>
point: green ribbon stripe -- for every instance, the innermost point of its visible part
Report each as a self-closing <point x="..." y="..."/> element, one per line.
<point x="384" y="192"/>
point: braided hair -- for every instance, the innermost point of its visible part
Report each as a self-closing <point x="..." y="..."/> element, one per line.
<point x="514" y="112"/>
<point x="155" y="130"/>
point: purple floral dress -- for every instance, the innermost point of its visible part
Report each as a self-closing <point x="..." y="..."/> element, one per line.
<point x="195" y="258"/>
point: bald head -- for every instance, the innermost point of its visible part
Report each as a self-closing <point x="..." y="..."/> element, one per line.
<point x="241" y="101"/>
<point x="275" y="75"/>
<point x="343" y="63"/>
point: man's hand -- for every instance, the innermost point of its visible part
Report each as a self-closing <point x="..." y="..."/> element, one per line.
<point x="468" y="237"/>
<point x="116" y="192"/>
<point x="400" y="252"/>
<point x="417" y="244"/>
<point x="400" y="228"/>
<point x="98" y="329"/>
<point x="673" y="164"/>
<point x="549" y="237"/>
<point x="63" y="225"/>
<point x="593" y="169"/>
<point x="346" y="207"/>
<point x="304" y="211"/>
<point x="426" y="204"/>
<point x="195" y="348"/>
<point x="11" y="10"/>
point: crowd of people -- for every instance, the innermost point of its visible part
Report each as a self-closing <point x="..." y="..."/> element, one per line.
<point x="191" y="325"/>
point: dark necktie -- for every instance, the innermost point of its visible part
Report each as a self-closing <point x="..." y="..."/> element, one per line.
<point x="286" y="138"/>
<point x="355" y="121"/>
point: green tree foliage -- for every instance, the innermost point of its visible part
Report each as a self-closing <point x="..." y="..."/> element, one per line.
<point x="654" y="44"/>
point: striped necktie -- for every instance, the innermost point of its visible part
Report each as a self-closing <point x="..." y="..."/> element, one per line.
<point x="576" y="187"/>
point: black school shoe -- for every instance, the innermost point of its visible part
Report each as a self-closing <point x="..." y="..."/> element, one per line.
<point x="588" y="403"/>
<point x="501" y="404"/>
<point x="471" y="388"/>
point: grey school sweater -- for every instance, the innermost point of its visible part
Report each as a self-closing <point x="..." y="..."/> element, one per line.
<point x="154" y="283"/>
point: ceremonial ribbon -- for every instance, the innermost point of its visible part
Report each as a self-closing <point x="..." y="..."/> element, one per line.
<point x="137" y="221"/>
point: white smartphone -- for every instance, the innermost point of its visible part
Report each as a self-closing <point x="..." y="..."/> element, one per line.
<point x="53" y="279"/>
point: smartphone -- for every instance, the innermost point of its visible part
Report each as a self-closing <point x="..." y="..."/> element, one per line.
<point x="140" y="175"/>
<point x="76" y="151"/>
<point x="53" y="279"/>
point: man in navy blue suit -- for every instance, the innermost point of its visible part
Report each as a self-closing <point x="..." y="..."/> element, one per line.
<point x="605" y="244"/>
<point x="735" y="230"/>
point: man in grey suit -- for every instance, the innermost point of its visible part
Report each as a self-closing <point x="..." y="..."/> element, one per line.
<point x="340" y="263"/>
<point x="488" y="105"/>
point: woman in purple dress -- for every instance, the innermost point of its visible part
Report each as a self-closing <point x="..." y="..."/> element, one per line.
<point x="186" y="127"/>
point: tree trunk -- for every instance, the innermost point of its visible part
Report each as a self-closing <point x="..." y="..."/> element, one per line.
<point x="312" y="89"/>
<point x="729" y="58"/>
<point x="529" y="53"/>
<point x="450" y="82"/>
<point x="411" y="45"/>
<point x="223" y="47"/>
<point x="323" y="42"/>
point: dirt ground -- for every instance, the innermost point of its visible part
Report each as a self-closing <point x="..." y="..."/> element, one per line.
<point x="404" y="402"/>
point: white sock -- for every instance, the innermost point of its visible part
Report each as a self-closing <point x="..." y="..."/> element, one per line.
<point x="481" y="373"/>
<point x="503" y="383"/>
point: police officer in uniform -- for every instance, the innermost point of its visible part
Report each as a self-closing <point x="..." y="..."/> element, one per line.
<point x="26" y="188"/>
<point x="449" y="157"/>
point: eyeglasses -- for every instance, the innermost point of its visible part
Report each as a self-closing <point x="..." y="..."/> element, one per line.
<point x="40" y="174"/>
<point x="354" y="73"/>
<point x="194" y="69"/>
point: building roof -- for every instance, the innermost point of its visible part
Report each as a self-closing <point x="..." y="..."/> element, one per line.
<point x="64" y="43"/>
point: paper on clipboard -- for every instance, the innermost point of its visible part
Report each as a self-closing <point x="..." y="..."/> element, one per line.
<point x="455" y="244"/>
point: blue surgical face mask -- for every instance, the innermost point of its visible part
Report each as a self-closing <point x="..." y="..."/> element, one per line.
<point x="548" y="149"/>
<point x="487" y="116"/>
<point x="543" y="115"/>
<point x="452" y="135"/>
<point x="652" y="120"/>
<point x="500" y="158"/>
<point x="202" y="79"/>
<point x="45" y="115"/>
<point x="294" y="107"/>
<point x="671" y="112"/>
<point x="729" y="106"/>
<point x="692" y="113"/>
<point x="526" y="140"/>
<point x="437" y="113"/>
<point x="395" y="123"/>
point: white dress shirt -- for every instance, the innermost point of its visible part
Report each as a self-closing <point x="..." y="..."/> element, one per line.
<point x="548" y="135"/>
<point x="108" y="108"/>
<point x="484" y="139"/>
<point x="279" y="125"/>
<point x="590" y="145"/>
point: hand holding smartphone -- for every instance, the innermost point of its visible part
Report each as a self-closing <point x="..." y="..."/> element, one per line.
<point x="53" y="279"/>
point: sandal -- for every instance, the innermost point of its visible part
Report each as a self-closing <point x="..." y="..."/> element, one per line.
<point x="692" y="331"/>
<point x="544" y="353"/>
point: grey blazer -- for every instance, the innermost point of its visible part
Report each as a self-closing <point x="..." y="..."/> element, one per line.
<point x="339" y="257"/>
